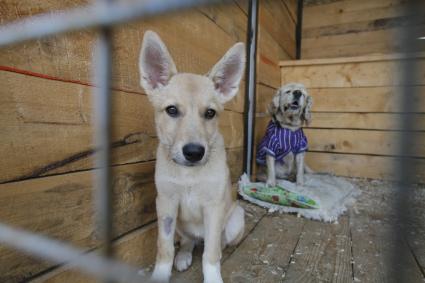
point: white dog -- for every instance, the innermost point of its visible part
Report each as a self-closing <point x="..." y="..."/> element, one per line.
<point x="282" y="149"/>
<point x="192" y="177"/>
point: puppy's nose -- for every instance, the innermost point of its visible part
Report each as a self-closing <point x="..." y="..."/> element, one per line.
<point x="193" y="152"/>
<point x="297" y="94"/>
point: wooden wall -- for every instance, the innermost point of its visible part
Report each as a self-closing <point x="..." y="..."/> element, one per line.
<point x="338" y="28"/>
<point x="356" y="114"/>
<point x="276" y="41"/>
<point x="46" y="169"/>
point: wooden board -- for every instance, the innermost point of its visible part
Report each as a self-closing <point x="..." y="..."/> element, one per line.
<point x="47" y="127"/>
<point x="373" y="236"/>
<point x="354" y="141"/>
<point x="62" y="207"/>
<point x="363" y="166"/>
<point x="351" y="28"/>
<point x="264" y="96"/>
<point x="265" y="254"/>
<point x="349" y="11"/>
<point x="275" y="17"/>
<point x="365" y="74"/>
<point x="363" y="99"/>
<point x="369" y="121"/>
<point x="137" y="248"/>
<point x="363" y="142"/>
<point x="70" y="57"/>
<point x="322" y="254"/>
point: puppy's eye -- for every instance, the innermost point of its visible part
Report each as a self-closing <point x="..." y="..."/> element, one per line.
<point x="172" y="111"/>
<point x="209" y="114"/>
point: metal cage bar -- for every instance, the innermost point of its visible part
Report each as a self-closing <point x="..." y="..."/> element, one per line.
<point x="103" y="15"/>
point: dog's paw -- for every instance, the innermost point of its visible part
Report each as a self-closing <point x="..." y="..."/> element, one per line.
<point x="161" y="274"/>
<point x="270" y="183"/>
<point x="183" y="260"/>
<point x="212" y="273"/>
<point x="300" y="180"/>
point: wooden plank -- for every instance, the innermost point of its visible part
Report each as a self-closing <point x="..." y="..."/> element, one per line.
<point x="367" y="121"/>
<point x="353" y="59"/>
<point x="265" y="254"/>
<point x="253" y="214"/>
<point x="362" y="26"/>
<point x="229" y="17"/>
<point x="47" y="127"/>
<point x="323" y="253"/>
<point x="363" y="43"/>
<point x="365" y="74"/>
<point x="268" y="55"/>
<point x="349" y="11"/>
<point x="137" y="248"/>
<point x="276" y="19"/>
<point x="363" y="166"/>
<point x="69" y="57"/>
<point x="62" y="207"/>
<point x="362" y="142"/>
<point x="373" y="240"/>
<point x="364" y="99"/>
<point x="352" y="141"/>
<point x="264" y="96"/>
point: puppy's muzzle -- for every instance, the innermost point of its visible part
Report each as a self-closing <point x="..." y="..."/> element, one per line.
<point x="297" y="94"/>
<point x="193" y="152"/>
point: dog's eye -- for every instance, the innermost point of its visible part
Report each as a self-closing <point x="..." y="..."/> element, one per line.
<point x="172" y="111"/>
<point x="210" y="113"/>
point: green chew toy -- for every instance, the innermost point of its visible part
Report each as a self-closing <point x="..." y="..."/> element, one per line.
<point x="278" y="195"/>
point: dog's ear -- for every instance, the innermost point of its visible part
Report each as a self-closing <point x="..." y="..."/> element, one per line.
<point x="273" y="107"/>
<point x="155" y="63"/>
<point x="227" y="73"/>
<point x="306" y="115"/>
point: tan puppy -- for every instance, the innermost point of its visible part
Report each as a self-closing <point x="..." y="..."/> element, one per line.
<point x="192" y="177"/>
<point x="281" y="152"/>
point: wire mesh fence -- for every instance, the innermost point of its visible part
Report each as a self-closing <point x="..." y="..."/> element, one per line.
<point x="103" y="15"/>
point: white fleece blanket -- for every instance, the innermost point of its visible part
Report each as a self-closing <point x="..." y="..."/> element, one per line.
<point x="333" y="195"/>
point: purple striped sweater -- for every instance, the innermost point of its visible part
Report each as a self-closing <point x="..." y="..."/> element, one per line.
<point x="278" y="142"/>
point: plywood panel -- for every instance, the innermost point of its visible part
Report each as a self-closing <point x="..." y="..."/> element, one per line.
<point x="47" y="127"/>
<point x="364" y="166"/>
<point x="365" y="74"/>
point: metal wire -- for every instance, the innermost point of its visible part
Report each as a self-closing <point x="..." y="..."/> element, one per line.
<point x="59" y="252"/>
<point x="99" y="14"/>
<point x="405" y="167"/>
<point x="103" y="14"/>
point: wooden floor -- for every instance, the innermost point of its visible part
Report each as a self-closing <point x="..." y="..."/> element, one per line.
<point x="287" y="248"/>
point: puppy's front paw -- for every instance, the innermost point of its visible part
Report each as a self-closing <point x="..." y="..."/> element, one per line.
<point x="212" y="273"/>
<point x="183" y="260"/>
<point x="160" y="274"/>
<point x="271" y="183"/>
<point x="300" y="180"/>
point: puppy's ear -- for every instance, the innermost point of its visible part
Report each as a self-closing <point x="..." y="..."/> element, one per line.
<point x="227" y="73"/>
<point x="306" y="115"/>
<point x="155" y="63"/>
<point x="273" y="107"/>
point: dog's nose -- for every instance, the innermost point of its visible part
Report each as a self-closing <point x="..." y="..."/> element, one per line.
<point x="297" y="94"/>
<point x="193" y="152"/>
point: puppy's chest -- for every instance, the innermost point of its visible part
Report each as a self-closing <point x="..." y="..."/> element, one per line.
<point x="190" y="207"/>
